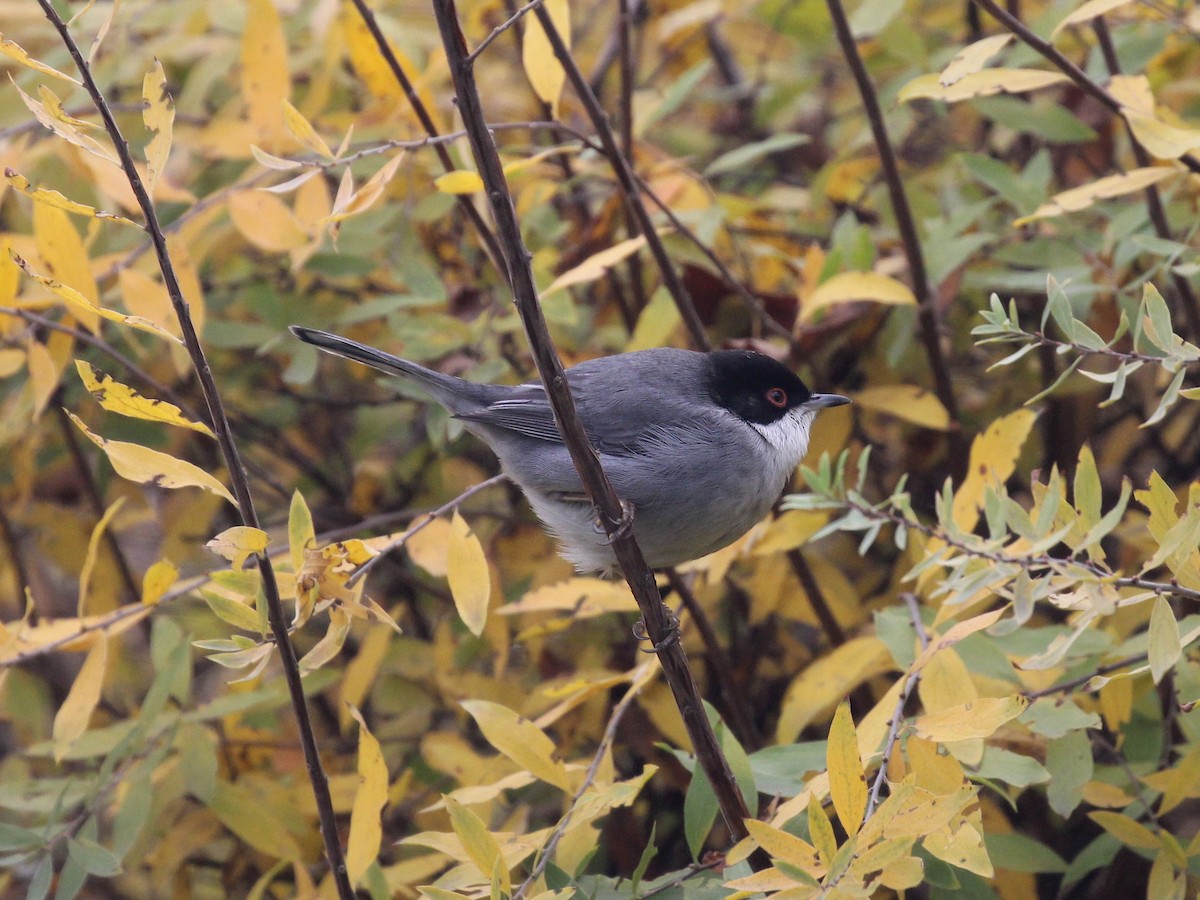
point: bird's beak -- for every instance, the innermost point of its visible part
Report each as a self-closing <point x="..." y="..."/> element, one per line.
<point x="824" y="401"/>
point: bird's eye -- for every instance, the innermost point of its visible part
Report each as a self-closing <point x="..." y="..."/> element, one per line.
<point x="777" y="397"/>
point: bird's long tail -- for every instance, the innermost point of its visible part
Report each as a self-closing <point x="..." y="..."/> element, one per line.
<point x="367" y="355"/>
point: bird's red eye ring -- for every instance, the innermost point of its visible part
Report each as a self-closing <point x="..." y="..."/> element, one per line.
<point x="777" y="397"/>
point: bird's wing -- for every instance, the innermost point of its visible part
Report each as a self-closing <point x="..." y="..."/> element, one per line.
<point x="530" y="416"/>
<point x="628" y="423"/>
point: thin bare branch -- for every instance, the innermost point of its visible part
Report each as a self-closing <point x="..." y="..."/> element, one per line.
<point x="237" y="476"/>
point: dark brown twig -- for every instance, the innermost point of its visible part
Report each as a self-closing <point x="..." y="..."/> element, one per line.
<point x="1068" y="68"/>
<point x="910" y="685"/>
<point x="229" y="451"/>
<point x="9" y="535"/>
<point x="1154" y="204"/>
<point x="925" y="291"/>
<point x="808" y="581"/>
<point x="613" y="516"/>
<point x="623" y="170"/>
<point x="490" y="244"/>
<point x="67" y="428"/>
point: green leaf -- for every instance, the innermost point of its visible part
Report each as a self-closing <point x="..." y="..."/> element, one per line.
<point x="1164" y="647"/>
<point x="1070" y="764"/>
<point x="1020" y="853"/>
<point x="93" y="858"/>
<point x="750" y="153"/>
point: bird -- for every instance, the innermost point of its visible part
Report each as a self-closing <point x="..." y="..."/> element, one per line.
<point x="698" y="445"/>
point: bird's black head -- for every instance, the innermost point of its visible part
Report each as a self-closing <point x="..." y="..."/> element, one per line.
<point x="754" y="387"/>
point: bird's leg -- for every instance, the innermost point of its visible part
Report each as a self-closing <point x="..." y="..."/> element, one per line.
<point x="673" y="633"/>
<point x="624" y="526"/>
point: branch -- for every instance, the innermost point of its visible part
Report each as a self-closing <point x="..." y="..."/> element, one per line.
<point x="610" y="735"/>
<point x="490" y="244"/>
<point x="610" y="510"/>
<point x="1068" y="68"/>
<point x="229" y="451"/>
<point x="429" y="517"/>
<point x="910" y="685"/>
<point x="624" y="172"/>
<point x="1154" y="204"/>
<point x="925" y="291"/>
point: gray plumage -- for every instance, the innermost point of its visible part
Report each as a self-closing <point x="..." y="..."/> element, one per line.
<point x="698" y="473"/>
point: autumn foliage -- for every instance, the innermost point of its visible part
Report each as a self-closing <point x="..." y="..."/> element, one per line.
<point x="271" y="628"/>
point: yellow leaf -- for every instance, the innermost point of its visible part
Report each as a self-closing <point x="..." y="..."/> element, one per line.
<point x="786" y="847"/>
<point x="301" y="535"/>
<point x="973" y="58"/>
<point x="519" y="739"/>
<point x="146" y="466"/>
<point x="43" y="375"/>
<point x="658" y="320"/>
<point x="848" y="287"/>
<point x="89" y="561"/>
<point x="119" y="398"/>
<point x="146" y="298"/>
<point x="265" y="80"/>
<point x="907" y="402"/>
<point x="827" y="680"/>
<point x="233" y="612"/>
<point x="1160" y="139"/>
<point x="1091" y="10"/>
<point x="1183" y="782"/>
<point x="1126" y="830"/>
<point x="159" y="116"/>
<point x="847" y="781"/>
<point x="12" y="360"/>
<point x="331" y="643"/>
<point x="1102" y="189"/>
<point x="239" y="543"/>
<point x="460" y="181"/>
<point x="469" y="576"/>
<point x="820" y="829"/>
<point x="542" y="68"/>
<point x="57" y="200"/>
<point x="978" y="719"/>
<point x="478" y="844"/>
<point x="1164" y="645"/>
<point x="17" y="54"/>
<point x="993" y="458"/>
<point x="364" y="198"/>
<point x="582" y="597"/>
<point x="597" y="265"/>
<point x="366" y="830"/>
<point x="957" y="633"/>
<point x="428" y="548"/>
<point x="49" y="112"/>
<point x="302" y="130"/>
<point x="979" y="84"/>
<point x="266" y="221"/>
<point x="73" y="716"/>
<point x="242" y="810"/>
<point x="66" y="260"/>
<point x="157" y="581"/>
<point x="361" y="672"/>
<point x="790" y="529"/>
<point x="81" y="307"/>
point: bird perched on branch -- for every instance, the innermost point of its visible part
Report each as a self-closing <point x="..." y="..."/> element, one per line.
<point x="697" y="445"/>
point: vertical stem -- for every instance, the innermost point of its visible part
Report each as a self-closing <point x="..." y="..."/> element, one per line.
<point x="621" y="167"/>
<point x="925" y="291"/>
<point x="614" y="516"/>
<point x="229" y="451"/>
<point x="1154" y="204"/>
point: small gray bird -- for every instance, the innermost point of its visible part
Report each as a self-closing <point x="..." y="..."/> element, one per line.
<point x="700" y="445"/>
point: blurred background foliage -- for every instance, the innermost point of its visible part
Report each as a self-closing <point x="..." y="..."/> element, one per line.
<point x="745" y="122"/>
